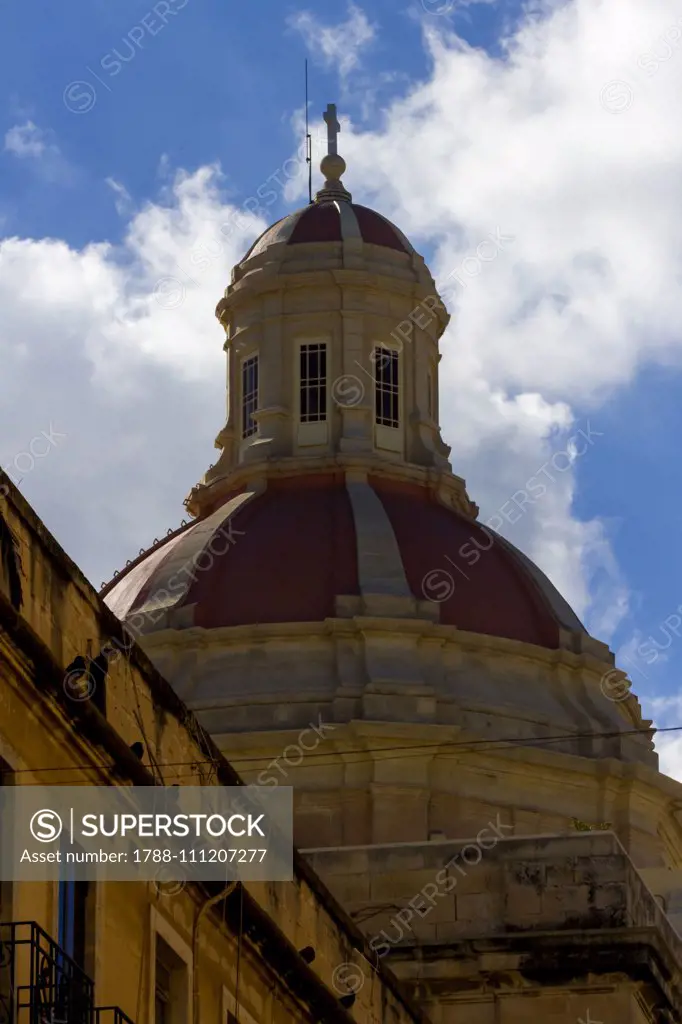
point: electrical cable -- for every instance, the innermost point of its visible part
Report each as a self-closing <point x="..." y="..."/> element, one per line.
<point x="502" y="743"/>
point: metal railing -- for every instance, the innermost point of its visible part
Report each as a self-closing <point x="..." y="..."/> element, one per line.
<point x="110" y="1015"/>
<point x="41" y="984"/>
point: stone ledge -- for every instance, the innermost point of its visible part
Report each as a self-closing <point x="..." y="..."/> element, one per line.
<point x="590" y="961"/>
<point x="562" y="903"/>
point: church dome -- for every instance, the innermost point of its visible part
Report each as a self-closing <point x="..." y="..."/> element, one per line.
<point x="334" y="564"/>
<point x="331" y="220"/>
<point x="298" y="552"/>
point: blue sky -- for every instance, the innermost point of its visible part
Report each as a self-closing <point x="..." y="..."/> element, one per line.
<point x="202" y="82"/>
<point x="108" y="109"/>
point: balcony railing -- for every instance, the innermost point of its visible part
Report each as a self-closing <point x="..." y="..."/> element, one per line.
<point x="41" y="984"/>
<point x="111" y="1015"/>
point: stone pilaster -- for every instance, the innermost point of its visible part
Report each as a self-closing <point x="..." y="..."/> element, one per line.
<point x="353" y="390"/>
<point x="400" y="813"/>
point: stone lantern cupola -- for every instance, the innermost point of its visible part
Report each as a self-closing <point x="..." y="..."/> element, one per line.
<point x="332" y="323"/>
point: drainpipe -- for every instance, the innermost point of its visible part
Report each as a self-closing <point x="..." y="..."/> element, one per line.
<point x="211" y="902"/>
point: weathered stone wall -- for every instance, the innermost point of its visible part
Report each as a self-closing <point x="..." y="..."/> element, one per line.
<point x="364" y="782"/>
<point x="500" y="927"/>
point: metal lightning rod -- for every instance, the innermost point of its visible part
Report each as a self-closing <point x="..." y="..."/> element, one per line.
<point x="308" y="141"/>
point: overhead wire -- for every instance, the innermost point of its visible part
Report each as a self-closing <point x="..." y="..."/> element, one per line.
<point x="407" y="750"/>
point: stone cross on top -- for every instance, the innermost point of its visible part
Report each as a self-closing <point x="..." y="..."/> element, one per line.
<point x="333" y="128"/>
<point x="332" y="165"/>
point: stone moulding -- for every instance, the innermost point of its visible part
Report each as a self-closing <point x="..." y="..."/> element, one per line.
<point x="554" y="913"/>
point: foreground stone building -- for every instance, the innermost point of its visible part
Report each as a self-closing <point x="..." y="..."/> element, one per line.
<point x="81" y="705"/>
<point x="480" y="789"/>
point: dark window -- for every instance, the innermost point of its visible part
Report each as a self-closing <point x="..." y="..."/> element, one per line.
<point x="313" y="383"/>
<point x="162" y="995"/>
<point x="170" y="989"/>
<point x="249" y="395"/>
<point x="387" y="390"/>
<point x="73" y="919"/>
<point x="10" y="577"/>
<point x="7" y="778"/>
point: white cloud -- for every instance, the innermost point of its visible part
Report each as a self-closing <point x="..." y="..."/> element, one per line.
<point x="336" y="46"/>
<point x="131" y="372"/>
<point x="27" y="141"/>
<point x="37" y="149"/>
<point x="565" y="144"/>
<point x="585" y="294"/>
<point x="123" y="202"/>
<point x="669" y="749"/>
<point x="666" y="712"/>
<point x="450" y="7"/>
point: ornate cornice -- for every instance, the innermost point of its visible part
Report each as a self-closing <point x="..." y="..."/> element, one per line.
<point x="217" y="484"/>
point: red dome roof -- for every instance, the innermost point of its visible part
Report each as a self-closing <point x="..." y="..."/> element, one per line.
<point x="288" y="553"/>
<point x="332" y="221"/>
